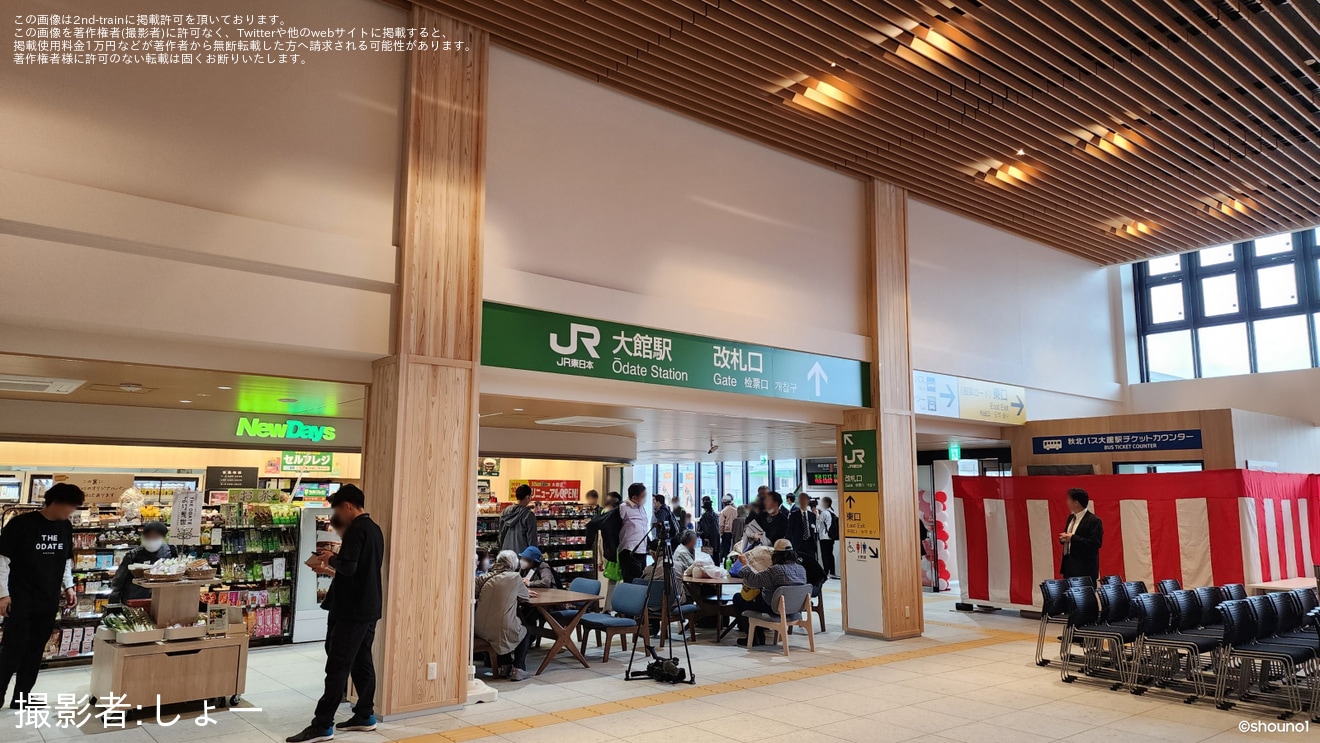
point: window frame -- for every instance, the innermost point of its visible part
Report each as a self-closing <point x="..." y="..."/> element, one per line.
<point x="1304" y="258"/>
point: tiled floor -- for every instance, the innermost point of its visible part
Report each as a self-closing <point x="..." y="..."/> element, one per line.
<point x="970" y="678"/>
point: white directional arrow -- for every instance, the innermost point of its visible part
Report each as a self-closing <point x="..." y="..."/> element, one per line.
<point x="847" y="439"/>
<point x="817" y="375"/>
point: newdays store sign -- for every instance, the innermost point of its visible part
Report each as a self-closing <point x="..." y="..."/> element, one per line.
<point x="533" y="340"/>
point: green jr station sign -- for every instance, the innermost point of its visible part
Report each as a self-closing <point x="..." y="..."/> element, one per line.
<point x="533" y="340"/>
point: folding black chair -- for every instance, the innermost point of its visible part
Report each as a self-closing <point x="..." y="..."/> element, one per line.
<point x="1111" y="580"/>
<point x="1234" y="591"/>
<point x="1245" y="645"/>
<point x="1168" y="585"/>
<point x="1165" y="654"/>
<point x="1106" y="644"/>
<point x="1053" y="611"/>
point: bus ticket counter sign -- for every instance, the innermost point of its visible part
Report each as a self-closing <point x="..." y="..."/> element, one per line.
<point x="533" y="340"/>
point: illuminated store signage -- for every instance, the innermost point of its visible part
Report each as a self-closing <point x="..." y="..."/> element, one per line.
<point x="290" y="428"/>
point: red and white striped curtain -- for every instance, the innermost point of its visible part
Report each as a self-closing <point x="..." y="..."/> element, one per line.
<point x="1203" y="528"/>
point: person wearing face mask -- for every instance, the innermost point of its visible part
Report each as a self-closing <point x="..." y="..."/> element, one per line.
<point x="153" y="548"/>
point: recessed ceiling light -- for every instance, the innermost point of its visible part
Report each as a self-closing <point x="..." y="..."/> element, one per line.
<point x="288" y="399"/>
<point x="833" y="65"/>
<point x="1021" y="152"/>
<point x="517" y="410"/>
<point x="203" y="394"/>
<point x="223" y="387"/>
<point x="186" y="402"/>
<point x="130" y="387"/>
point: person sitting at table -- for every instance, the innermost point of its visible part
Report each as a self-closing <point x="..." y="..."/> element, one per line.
<point x="497" y="620"/>
<point x="536" y="572"/>
<point x="686" y="552"/>
<point x="784" y="570"/>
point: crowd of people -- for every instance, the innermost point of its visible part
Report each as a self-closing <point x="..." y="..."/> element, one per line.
<point x="771" y="542"/>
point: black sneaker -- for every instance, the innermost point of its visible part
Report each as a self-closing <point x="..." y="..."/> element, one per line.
<point x="357" y="722"/>
<point x="312" y="735"/>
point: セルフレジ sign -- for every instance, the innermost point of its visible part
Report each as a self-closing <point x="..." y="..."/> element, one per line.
<point x="533" y="340"/>
<point x="290" y="428"/>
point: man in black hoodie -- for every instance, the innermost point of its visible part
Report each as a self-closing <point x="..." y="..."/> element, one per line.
<point x="353" y="615"/>
<point x="518" y="522"/>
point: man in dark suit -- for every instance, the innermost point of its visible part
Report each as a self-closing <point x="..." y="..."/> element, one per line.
<point x="1081" y="539"/>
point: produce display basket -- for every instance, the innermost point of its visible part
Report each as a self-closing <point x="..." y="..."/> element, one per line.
<point x="105" y="633"/>
<point x="203" y="574"/>
<point x="185" y="633"/>
<point x="139" y="572"/>
<point x="139" y="638"/>
<point x="162" y="578"/>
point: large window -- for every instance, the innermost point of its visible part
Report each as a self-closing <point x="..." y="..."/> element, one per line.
<point x="786" y="475"/>
<point x="758" y="474"/>
<point x="734" y="483"/>
<point x="1231" y="309"/>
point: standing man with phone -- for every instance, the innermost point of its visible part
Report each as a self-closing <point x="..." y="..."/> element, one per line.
<point x="1081" y="539"/>
<point x="353" y="615"/>
<point x="36" y="579"/>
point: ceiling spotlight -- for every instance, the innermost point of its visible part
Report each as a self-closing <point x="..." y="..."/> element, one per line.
<point x="517" y="410"/>
<point x="714" y="447"/>
<point x="833" y="65"/>
<point x="186" y="402"/>
<point x="288" y="399"/>
<point x="223" y="387"/>
<point x="1021" y="152"/>
<point x="130" y="387"/>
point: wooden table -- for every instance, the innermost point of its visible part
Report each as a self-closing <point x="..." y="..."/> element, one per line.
<point x="183" y="671"/>
<point x="547" y="599"/>
<point x="724" y="620"/>
<point x="1274" y="586"/>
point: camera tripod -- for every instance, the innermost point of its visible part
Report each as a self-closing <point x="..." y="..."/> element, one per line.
<point x="661" y="669"/>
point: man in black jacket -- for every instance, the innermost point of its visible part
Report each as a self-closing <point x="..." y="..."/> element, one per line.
<point x="773" y="519"/>
<point x="353" y="615"/>
<point x="1081" y="539"/>
<point x="122" y="587"/>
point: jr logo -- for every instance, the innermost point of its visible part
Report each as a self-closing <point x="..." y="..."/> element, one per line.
<point x="856" y="456"/>
<point x="588" y="334"/>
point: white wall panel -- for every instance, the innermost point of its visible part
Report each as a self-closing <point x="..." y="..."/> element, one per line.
<point x="644" y="215"/>
<point x="992" y="305"/>
<point x="313" y="145"/>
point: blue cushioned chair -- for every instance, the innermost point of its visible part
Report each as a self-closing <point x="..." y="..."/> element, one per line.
<point x="630" y="603"/>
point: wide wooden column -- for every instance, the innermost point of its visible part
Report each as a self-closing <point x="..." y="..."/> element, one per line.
<point x="892" y="420"/>
<point x="421" y="440"/>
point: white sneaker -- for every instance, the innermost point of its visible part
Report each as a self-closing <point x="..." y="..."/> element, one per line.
<point x="519" y="674"/>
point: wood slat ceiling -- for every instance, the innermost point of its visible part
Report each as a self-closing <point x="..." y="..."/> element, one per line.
<point x="1116" y="130"/>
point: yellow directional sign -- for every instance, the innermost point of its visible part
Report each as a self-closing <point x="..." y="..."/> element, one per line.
<point x="991" y="402"/>
<point x="861" y="516"/>
<point x="969" y="399"/>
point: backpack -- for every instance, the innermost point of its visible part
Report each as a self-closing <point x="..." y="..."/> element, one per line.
<point x="834" y="526"/>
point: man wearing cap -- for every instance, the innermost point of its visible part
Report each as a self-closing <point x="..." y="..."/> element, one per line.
<point x="536" y="572"/>
<point x="784" y="570"/>
<point x="153" y="548"/>
<point x="727" y="516"/>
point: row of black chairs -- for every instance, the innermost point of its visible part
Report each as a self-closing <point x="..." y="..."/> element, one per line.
<point x="1261" y="648"/>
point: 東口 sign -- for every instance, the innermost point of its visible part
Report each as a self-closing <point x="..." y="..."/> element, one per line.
<point x="549" y="490"/>
<point x="969" y="399"/>
<point x="303" y="461"/>
<point x="533" y="340"/>
<point x="1118" y="442"/>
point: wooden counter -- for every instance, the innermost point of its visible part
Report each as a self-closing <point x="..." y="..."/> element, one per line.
<point x="183" y="671"/>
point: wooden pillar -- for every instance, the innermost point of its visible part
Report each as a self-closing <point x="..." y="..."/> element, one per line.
<point x="421" y="442"/>
<point x="899" y="605"/>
